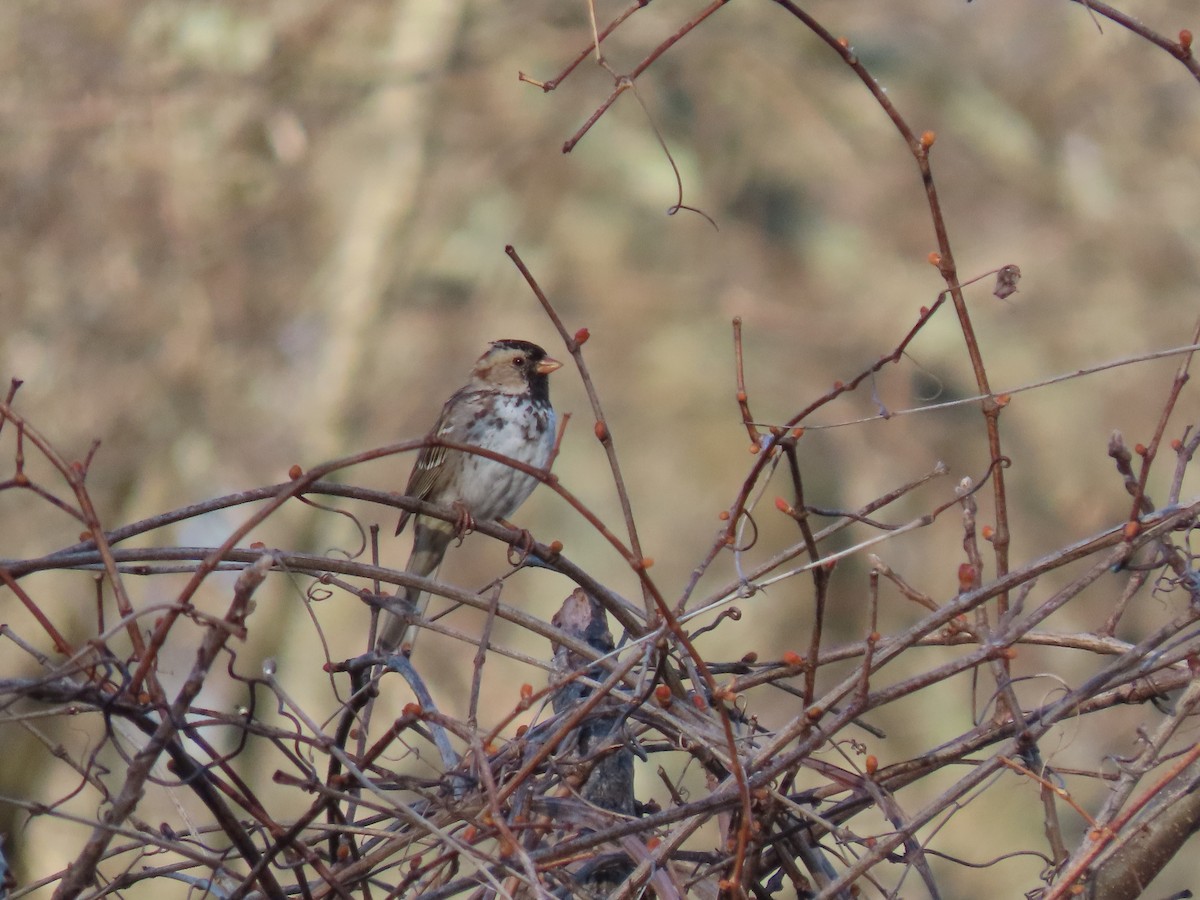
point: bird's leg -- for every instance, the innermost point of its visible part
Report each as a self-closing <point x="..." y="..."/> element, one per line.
<point x="465" y="523"/>
<point x="519" y="550"/>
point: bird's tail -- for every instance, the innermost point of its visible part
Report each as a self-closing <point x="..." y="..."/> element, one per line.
<point x="429" y="546"/>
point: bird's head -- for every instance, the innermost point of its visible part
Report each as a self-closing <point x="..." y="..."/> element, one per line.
<point x="515" y="367"/>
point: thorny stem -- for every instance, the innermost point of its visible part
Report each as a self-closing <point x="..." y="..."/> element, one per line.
<point x="1151" y="451"/>
<point x="634" y="554"/>
<point x="919" y="147"/>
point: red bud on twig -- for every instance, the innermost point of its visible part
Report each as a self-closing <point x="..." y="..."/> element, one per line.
<point x="966" y="576"/>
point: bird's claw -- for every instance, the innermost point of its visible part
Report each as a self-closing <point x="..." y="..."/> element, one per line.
<point x="465" y="523"/>
<point x="519" y="550"/>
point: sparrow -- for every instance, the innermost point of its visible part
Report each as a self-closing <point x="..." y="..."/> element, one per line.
<point x="504" y="408"/>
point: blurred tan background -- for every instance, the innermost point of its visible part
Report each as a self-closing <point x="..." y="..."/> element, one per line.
<point x="242" y="235"/>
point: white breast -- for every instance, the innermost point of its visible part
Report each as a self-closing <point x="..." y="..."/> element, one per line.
<point x="491" y="489"/>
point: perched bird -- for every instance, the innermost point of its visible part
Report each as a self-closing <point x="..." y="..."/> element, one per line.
<point x="504" y="408"/>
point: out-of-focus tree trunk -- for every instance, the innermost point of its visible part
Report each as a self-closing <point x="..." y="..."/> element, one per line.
<point x="386" y="145"/>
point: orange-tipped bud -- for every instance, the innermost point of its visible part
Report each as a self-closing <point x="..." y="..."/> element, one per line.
<point x="412" y="709"/>
<point x="872" y="764"/>
<point x="662" y="694"/>
<point x="1139" y="449"/>
<point x="601" y="431"/>
<point x="723" y="515"/>
<point x="582" y="335"/>
<point x="843" y="43"/>
<point x="1003" y="399"/>
<point x="783" y="506"/>
<point x="966" y="576"/>
<point x="927" y="139"/>
<point x="1132" y="530"/>
<point x="988" y="532"/>
<point x="791" y="658"/>
<point x="526" y="691"/>
<point x="935" y="258"/>
<point x="295" y="472"/>
<point x="1185" y="39"/>
<point x="741" y="397"/>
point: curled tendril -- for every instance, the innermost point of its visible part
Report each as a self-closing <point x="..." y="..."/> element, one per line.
<point x="731" y="613"/>
<point x="753" y="538"/>
<point x="317" y="594"/>
<point x="358" y="525"/>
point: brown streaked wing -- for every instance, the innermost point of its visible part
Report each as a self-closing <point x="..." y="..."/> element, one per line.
<point x="429" y="466"/>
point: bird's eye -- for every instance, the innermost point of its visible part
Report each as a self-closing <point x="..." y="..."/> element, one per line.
<point x="518" y="361"/>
